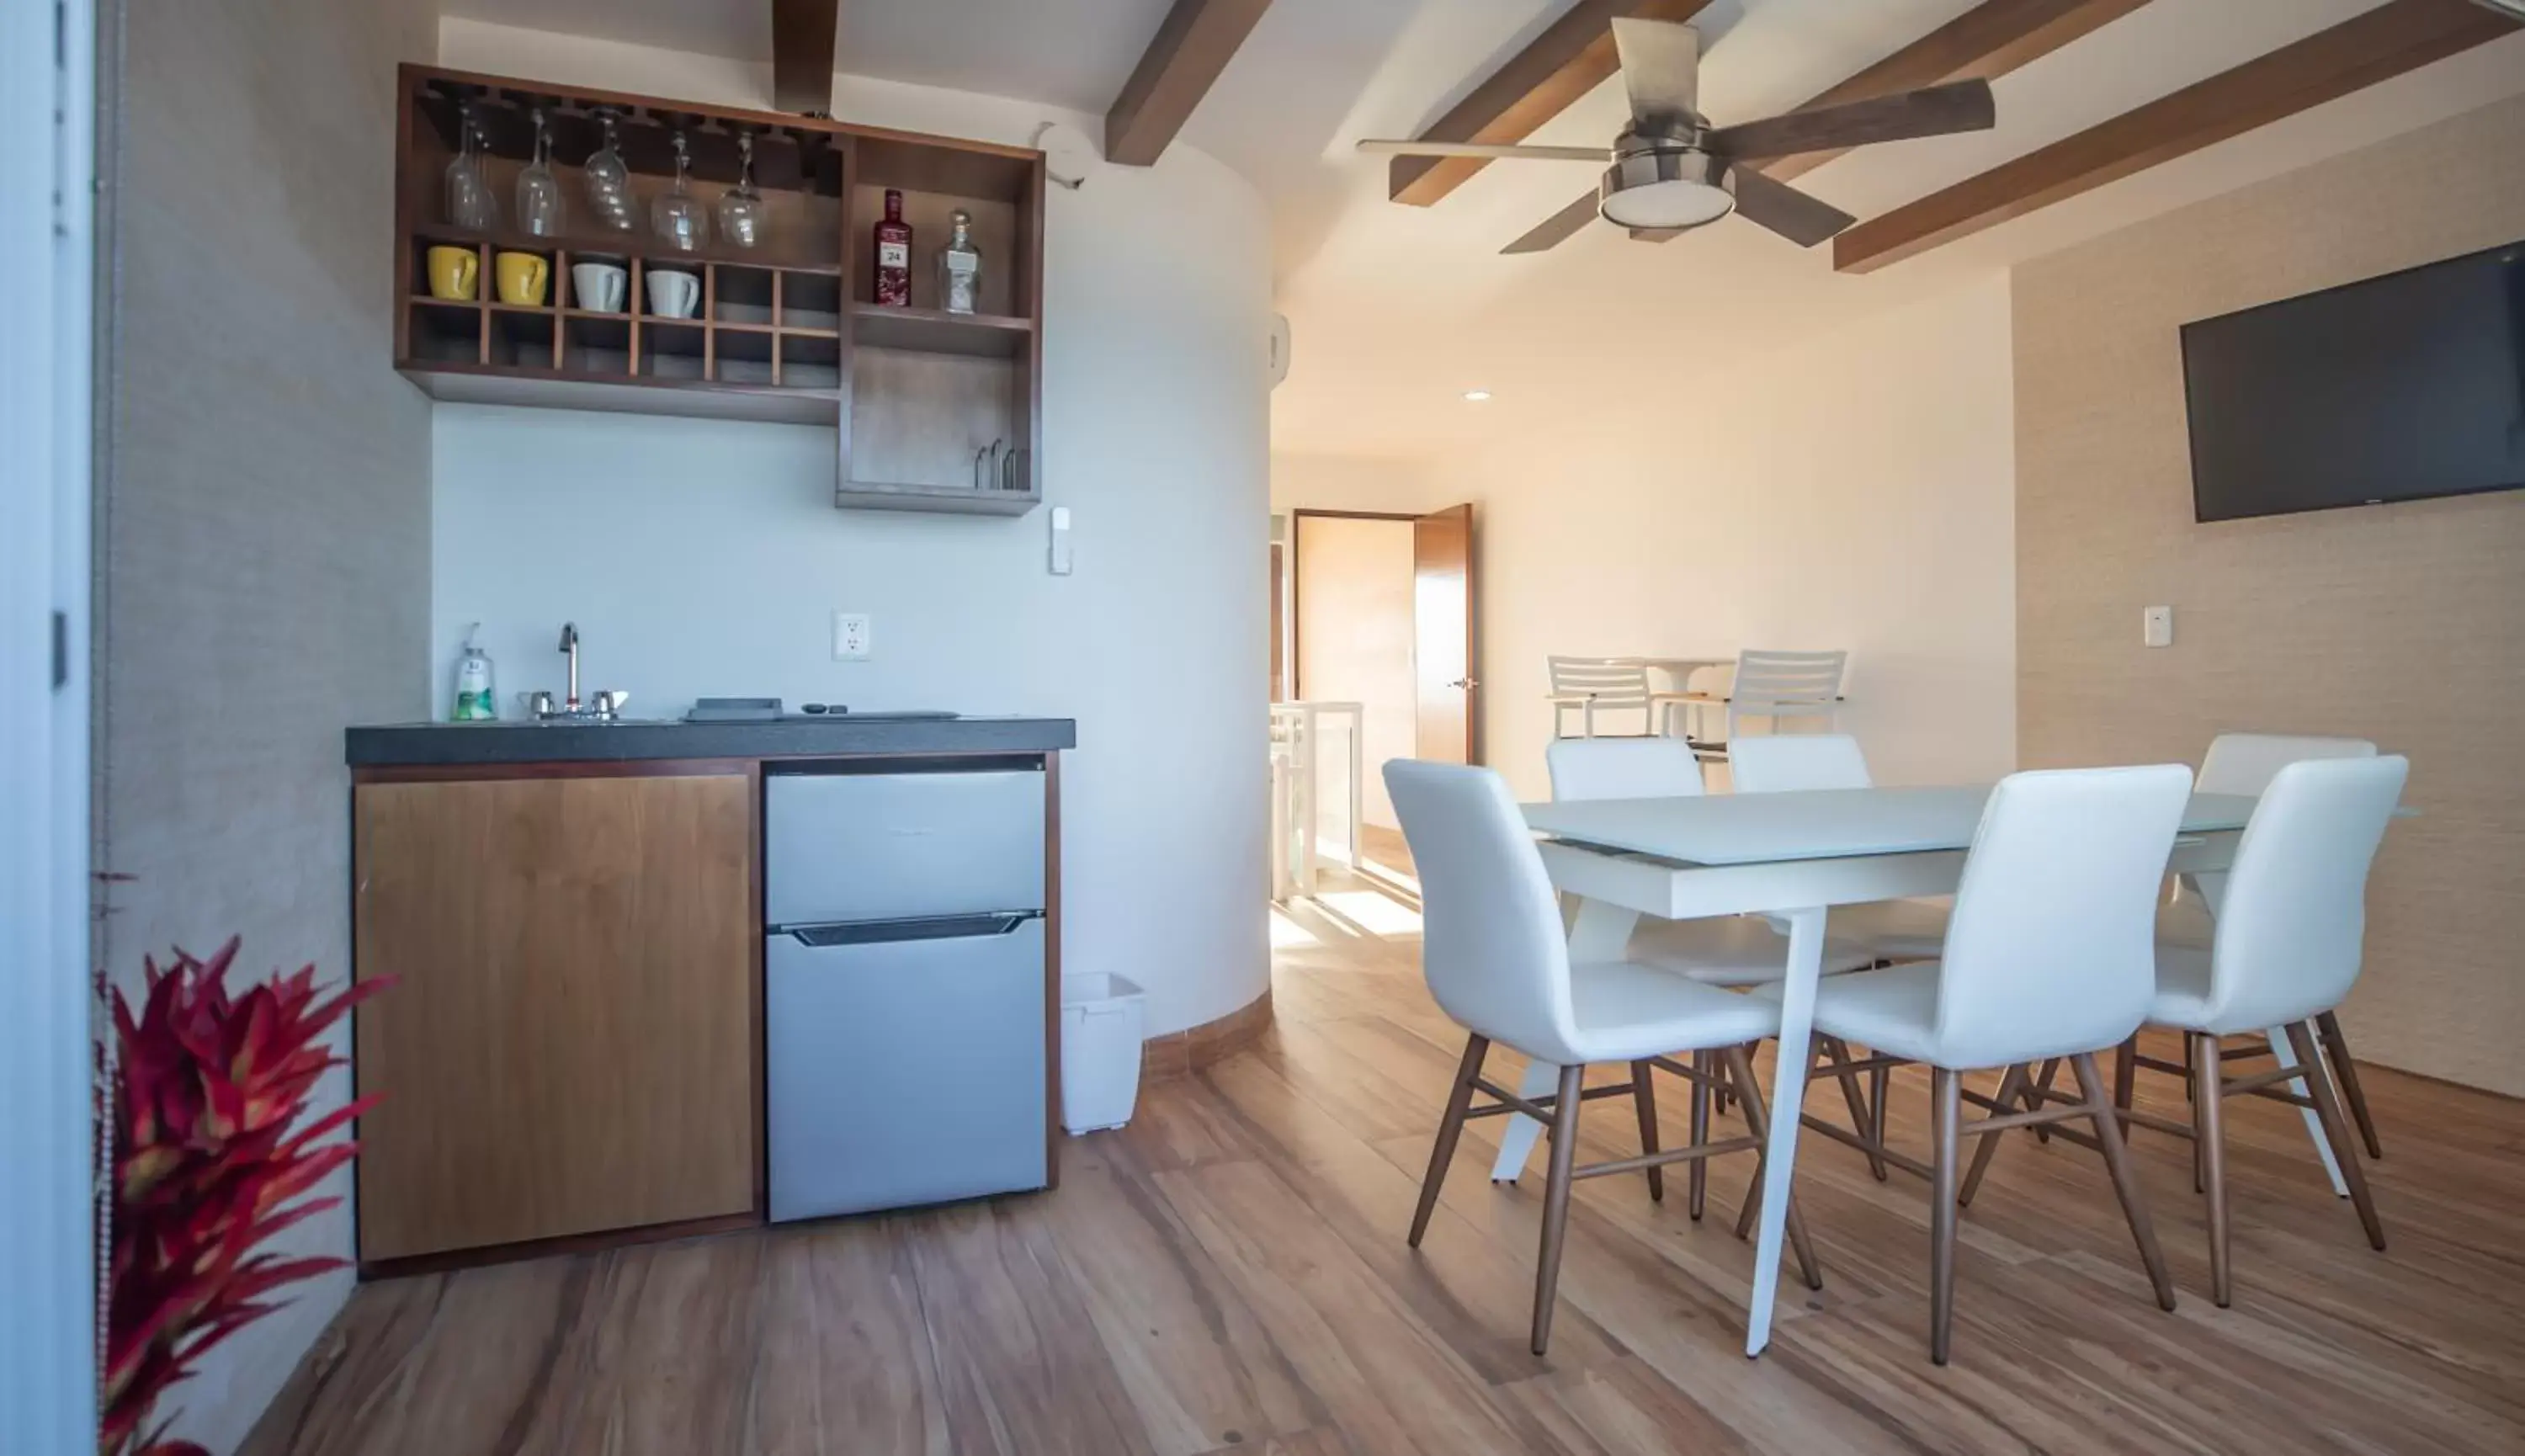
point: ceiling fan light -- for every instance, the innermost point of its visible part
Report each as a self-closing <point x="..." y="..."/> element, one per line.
<point x="1663" y="189"/>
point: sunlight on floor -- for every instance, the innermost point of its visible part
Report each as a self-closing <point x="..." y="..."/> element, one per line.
<point x="1287" y="933"/>
<point x="1373" y="912"/>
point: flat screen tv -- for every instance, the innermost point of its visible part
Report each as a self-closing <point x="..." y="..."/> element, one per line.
<point x="2394" y="388"/>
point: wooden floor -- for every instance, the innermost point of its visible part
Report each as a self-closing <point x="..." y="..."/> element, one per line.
<point x="1229" y="1274"/>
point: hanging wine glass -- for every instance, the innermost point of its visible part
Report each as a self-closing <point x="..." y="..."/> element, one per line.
<point x="740" y="208"/>
<point x="676" y="217"/>
<point x="539" y="195"/>
<point x="469" y="192"/>
<point x="609" y="181"/>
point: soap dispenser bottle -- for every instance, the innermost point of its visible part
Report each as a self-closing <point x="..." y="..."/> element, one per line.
<point x="476" y="700"/>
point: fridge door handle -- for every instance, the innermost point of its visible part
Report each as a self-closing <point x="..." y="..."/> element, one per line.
<point x="926" y="928"/>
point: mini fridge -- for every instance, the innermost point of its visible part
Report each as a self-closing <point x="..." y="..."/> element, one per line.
<point x="904" y="992"/>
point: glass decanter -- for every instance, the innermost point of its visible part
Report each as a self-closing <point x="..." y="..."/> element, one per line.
<point x="740" y="208"/>
<point x="539" y="194"/>
<point x="469" y="192"/>
<point x="609" y="181"/>
<point x="676" y="217"/>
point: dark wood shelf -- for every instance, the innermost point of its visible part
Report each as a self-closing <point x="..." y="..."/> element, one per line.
<point x="937" y="331"/>
<point x="545" y="388"/>
<point x="783" y="331"/>
<point x="871" y="495"/>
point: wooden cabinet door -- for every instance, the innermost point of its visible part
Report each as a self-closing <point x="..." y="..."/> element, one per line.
<point x="569" y="1046"/>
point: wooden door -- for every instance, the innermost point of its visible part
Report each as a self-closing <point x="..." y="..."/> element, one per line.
<point x="1445" y="647"/>
<point x="569" y="1046"/>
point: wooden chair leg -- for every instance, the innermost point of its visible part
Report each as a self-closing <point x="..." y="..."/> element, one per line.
<point x="2011" y="1088"/>
<point x="2327" y="1109"/>
<point x="1450" y="1129"/>
<point x="1740" y="1070"/>
<point x="1555" y="1202"/>
<point x="1836" y="1052"/>
<point x="2125" y="1072"/>
<point x="1880" y="1084"/>
<point x="2209" y="1132"/>
<point x="2108" y="1133"/>
<point x="2345" y="1071"/>
<point x="2043" y="1083"/>
<point x="1697" y="1177"/>
<point x="1643" y="1097"/>
<point x="1945" y="1116"/>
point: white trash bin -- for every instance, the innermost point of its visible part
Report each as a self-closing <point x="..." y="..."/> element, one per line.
<point x="1101" y="1016"/>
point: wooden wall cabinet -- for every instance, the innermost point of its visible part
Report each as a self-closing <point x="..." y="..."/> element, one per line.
<point x="788" y="330"/>
<point x="569" y="1046"/>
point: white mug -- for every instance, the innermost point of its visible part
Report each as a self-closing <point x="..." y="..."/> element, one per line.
<point x="672" y="294"/>
<point x="598" y="286"/>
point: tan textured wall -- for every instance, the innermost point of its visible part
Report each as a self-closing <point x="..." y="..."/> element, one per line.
<point x="2405" y="624"/>
<point x="263" y="518"/>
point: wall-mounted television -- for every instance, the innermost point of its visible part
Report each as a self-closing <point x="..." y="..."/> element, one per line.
<point x="2398" y="387"/>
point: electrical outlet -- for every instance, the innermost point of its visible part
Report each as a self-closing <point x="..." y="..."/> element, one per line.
<point x="2157" y="627"/>
<point x="853" y="638"/>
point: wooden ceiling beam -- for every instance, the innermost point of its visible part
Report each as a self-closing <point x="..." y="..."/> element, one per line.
<point x="1192" y="46"/>
<point x="801" y="54"/>
<point x="1984" y="43"/>
<point x="1572" y="55"/>
<point x="2376" y="45"/>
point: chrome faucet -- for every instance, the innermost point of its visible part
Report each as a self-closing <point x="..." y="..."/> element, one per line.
<point x="569" y="648"/>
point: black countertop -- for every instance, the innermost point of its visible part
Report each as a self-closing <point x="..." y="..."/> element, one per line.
<point x="448" y="744"/>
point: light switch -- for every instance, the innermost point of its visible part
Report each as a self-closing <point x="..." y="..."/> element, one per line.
<point x="853" y="638"/>
<point x="2157" y="627"/>
<point x="1060" y="561"/>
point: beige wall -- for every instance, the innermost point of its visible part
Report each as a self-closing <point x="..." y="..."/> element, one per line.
<point x="1355" y="643"/>
<point x="2405" y="624"/>
<point x="1853" y="490"/>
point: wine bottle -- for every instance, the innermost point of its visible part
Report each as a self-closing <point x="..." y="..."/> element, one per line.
<point x="894" y="254"/>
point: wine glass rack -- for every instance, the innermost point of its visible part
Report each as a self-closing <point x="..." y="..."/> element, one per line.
<point x="931" y="411"/>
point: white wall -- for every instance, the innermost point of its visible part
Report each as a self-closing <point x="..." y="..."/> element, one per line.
<point x="1853" y="491"/>
<point x="704" y="558"/>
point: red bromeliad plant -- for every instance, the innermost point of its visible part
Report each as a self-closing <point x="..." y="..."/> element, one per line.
<point x="204" y="1160"/>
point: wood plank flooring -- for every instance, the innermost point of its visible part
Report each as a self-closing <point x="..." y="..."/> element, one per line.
<point x="1228" y="1274"/>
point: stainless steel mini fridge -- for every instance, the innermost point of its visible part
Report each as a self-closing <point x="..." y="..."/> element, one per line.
<point x="904" y="988"/>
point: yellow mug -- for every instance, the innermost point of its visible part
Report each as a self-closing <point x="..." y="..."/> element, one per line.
<point x="522" y="277"/>
<point x="453" y="272"/>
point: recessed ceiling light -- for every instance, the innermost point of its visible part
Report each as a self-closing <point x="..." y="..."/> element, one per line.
<point x="1476" y="396"/>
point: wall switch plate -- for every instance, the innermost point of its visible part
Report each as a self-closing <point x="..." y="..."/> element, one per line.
<point x="853" y="638"/>
<point x="2157" y="627"/>
<point x="1059" y="562"/>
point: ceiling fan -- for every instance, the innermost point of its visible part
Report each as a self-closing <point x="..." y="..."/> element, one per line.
<point x="1671" y="170"/>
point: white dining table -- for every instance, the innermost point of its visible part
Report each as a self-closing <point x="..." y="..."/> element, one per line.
<point x="1791" y="856"/>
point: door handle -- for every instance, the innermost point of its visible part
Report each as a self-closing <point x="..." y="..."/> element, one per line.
<point x="1466" y="683"/>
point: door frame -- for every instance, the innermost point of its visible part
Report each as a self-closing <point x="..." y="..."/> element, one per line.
<point x="1297" y="639"/>
<point x="47" y="231"/>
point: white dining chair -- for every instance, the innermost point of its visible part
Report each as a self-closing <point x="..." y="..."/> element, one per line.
<point x="1730" y="950"/>
<point x="2048" y="954"/>
<point x="1595" y="686"/>
<point x="1782" y="763"/>
<point x="2287" y="950"/>
<point x="1778" y="687"/>
<point x="2245" y="764"/>
<point x="1494" y="954"/>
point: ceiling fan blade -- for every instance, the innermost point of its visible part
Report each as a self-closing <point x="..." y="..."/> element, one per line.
<point x="1558" y="228"/>
<point x="1960" y="106"/>
<point x="1661" y="68"/>
<point x="1488" y="152"/>
<point x="1801" y="219"/>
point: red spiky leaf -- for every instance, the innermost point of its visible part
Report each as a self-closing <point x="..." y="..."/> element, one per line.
<point x="209" y="1100"/>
